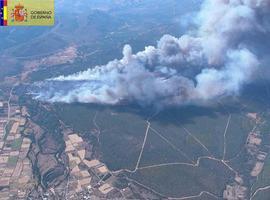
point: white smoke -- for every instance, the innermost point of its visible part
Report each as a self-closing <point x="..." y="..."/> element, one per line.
<point x="213" y="62"/>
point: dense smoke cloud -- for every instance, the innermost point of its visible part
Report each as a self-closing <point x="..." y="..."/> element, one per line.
<point x="213" y="62"/>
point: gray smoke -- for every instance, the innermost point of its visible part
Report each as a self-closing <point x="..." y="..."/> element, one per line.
<point x="199" y="67"/>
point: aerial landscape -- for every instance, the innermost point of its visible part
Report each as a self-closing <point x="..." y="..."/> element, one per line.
<point x="138" y="99"/>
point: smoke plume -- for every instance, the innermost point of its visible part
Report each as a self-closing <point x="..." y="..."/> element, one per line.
<point x="213" y="62"/>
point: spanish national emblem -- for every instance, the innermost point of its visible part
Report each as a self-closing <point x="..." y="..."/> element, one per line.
<point x="27" y="12"/>
<point x="19" y="14"/>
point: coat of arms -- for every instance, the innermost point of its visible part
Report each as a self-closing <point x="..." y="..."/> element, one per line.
<point x="19" y="13"/>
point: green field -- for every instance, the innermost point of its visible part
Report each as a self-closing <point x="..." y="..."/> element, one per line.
<point x="262" y="195"/>
<point x="123" y="130"/>
<point x="12" y="160"/>
<point x="263" y="179"/>
<point x="16" y="144"/>
<point x="238" y="130"/>
<point x="180" y="180"/>
<point x="158" y="151"/>
<point x="121" y="133"/>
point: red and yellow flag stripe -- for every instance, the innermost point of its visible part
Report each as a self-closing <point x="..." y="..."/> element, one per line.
<point x="5" y="13"/>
